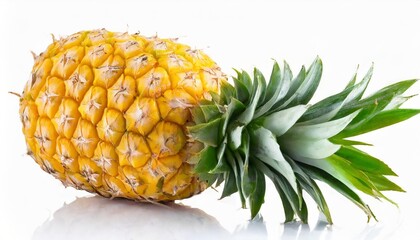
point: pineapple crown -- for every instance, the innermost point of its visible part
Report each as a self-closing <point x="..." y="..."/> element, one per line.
<point x="257" y="129"/>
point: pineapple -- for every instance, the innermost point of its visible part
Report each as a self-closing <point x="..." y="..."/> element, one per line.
<point x="108" y="113"/>
<point x="150" y="119"/>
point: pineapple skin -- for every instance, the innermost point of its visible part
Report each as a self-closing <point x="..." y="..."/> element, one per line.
<point x="108" y="113"/>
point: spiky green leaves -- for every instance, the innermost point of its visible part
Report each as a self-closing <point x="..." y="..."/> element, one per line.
<point x="255" y="129"/>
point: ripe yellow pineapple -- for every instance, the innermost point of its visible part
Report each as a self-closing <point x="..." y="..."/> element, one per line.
<point x="107" y="112"/>
<point x="151" y="119"/>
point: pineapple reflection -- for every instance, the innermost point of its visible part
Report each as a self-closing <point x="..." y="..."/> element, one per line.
<point x="99" y="218"/>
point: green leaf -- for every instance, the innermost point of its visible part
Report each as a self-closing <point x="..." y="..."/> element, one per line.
<point x="207" y="161"/>
<point x="352" y="81"/>
<point x="290" y="199"/>
<point x="250" y="176"/>
<point x="265" y="147"/>
<point x="230" y="186"/>
<point x="307" y="87"/>
<point x="227" y="91"/>
<point x="290" y="87"/>
<point x="341" y="169"/>
<point x="222" y="130"/>
<point x="209" y="178"/>
<point x="319" y="131"/>
<point x="236" y="164"/>
<point x="276" y="87"/>
<point x="198" y="115"/>
<point x="233" y="109"/>
<point x="281" y="183"/>
<point x="287" y="207"/>
<point x="246" y="116"/>
<point x="246" y="79"/>
<point x="340" y="187"/>
<point x="304" y="212"/>
<point x="347" y="142"/>
<point x="380" y="120"/>
<point x="244" y="148"/>
<point x="307" y="148"/>
<point x="262" y="83"/>
<point x="393" y="89"/>
<point x="329" y="107"/>
<point x="207" y="133"/>
<point x="210" y="112"/>
<point x="396" y="102"/>
<point x="363" y="85"/>
<point x="296" y="83"/>
<point x="313" y="190"/>
<point x="280" y="122"/>
<point x="310" y="186"/>
<point x="383" y="184"/>
<point x="222" y="165"/>
<point x="256" y="198"/>
<point x="220" y="179"/>
<point x="310" y="84"/>
<point x="241" y="89"/>
<point x="240" y="126"/>
<point x="249" y="181"/>
<point x="235" y="136"/>
<point x="364" y="161"/>
<point x="215" y="97"/>
<point x="286" y="80"/>
<point x="378" y="99"/>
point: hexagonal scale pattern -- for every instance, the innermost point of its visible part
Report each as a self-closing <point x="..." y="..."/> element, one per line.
<point x="106" y="112"/>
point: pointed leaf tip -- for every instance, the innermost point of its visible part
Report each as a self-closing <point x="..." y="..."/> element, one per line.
<point x="207" y="133"/>
<point x="265" y="148"/>
<point x="280" y="122"/>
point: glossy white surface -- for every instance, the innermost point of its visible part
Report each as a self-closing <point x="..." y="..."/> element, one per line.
<point x="236" y="34"/>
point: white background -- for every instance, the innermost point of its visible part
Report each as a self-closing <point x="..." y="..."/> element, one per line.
<point x="236" y="34"/>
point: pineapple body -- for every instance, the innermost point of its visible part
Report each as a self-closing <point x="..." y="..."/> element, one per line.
<point x="108" y="113"/>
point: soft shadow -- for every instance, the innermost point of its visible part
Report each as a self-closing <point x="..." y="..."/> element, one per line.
<point x="299" y="230"/>
<point x="252" y="230"/>
<point x="323" y="230"/>
<point x="375" y="231"/>
<point x="100" y="218"/>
